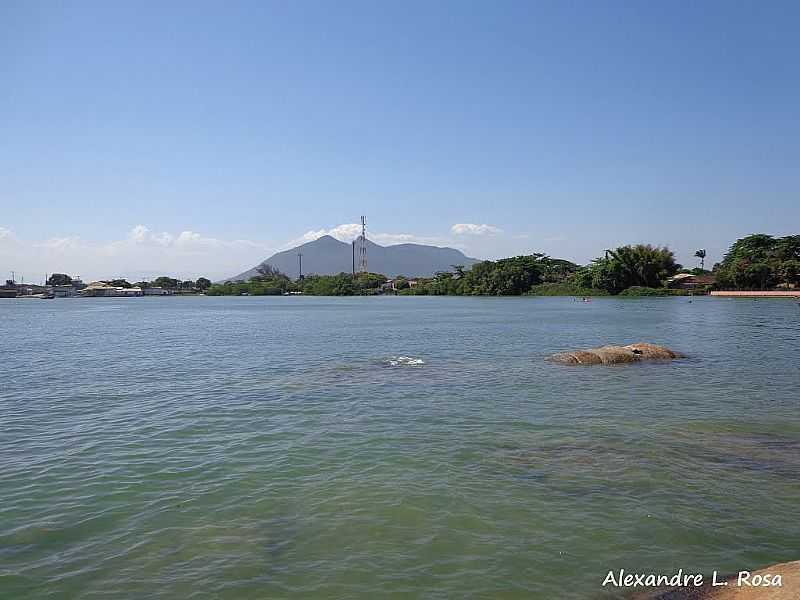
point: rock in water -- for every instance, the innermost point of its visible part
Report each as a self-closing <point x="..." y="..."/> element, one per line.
<point x="776" y="582"/>
<point x="613" y="355"/>
<point x="648" y="351"/>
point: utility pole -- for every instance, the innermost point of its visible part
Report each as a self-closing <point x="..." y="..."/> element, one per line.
<point x="362" y="247"/>
<point x="300" y="258"/>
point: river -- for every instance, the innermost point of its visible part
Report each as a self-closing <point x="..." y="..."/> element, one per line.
<point x="413" y="447"/>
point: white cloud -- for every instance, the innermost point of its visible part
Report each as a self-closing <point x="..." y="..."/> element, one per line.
<point x="473" y="229"/>
<point x="143" y="252"/>
<point x="139" y="234"/>
<point x="347" y="232"/>
<point x="191" y="238"/>
<point x="139" y="254"/>
<point x="56" y="245"/>
<point x="390" y="239"/>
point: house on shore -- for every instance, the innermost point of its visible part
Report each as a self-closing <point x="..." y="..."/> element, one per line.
<point x="9" y="290"/>
<point x="101" y="289"/>
<point x="157" y="291"/>
<point x="688" y="281"/>
<point x="64" y="291"/>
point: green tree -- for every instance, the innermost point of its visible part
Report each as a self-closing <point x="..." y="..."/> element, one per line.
<point x="787" y="248"/>
<point x="701" y="254"/>
<point x="641" y="265"/>
<point x="789" y="272"/>
<point x="203" y="284"/>
<point x="504" y="277"/>
<point x="59" y="279"/>
<point x="759" y="275"/>
<point x="556" y="270"/>
<point x="759" y="261"/>
<point x="166" y="282"/>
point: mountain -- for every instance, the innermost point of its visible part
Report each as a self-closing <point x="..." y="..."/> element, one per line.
<point x="328" y="256"/>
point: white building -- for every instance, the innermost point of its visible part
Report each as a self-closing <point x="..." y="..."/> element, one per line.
<point x="104" y="290"/>
<point x="156" y="291"/>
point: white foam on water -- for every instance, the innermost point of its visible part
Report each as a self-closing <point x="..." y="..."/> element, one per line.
<point x="402" y="361"/>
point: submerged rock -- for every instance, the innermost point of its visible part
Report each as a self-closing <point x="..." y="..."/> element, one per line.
<point x="612" y="355"/>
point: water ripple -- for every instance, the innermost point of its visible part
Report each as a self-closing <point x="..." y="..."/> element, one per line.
<point x="337" y="448"/>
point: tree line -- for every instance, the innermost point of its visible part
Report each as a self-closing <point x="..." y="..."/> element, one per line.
<point x="271" y="282"/>
<point x="754" y="262"/>
<point x="760" y="262"/>
<point x="200" y="285"/>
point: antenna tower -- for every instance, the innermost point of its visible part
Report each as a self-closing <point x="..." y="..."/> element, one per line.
<point x="362" y="247"/>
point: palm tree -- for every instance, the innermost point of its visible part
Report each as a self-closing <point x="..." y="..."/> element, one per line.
<point x="701" y="254"/>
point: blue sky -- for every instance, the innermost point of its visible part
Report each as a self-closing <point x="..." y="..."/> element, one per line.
<point x="198" y="137"/>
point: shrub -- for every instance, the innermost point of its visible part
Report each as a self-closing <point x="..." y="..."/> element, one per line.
<point x="639" y="291"/>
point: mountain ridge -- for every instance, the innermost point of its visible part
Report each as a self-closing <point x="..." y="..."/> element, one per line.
<point x="328" y="256"/>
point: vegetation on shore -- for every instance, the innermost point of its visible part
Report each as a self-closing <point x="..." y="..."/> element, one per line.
<point x="760" y="262"/>
<point x="535" y="274"/>
<point x="167" y="283"/>
<point x="641" y="267"/>
<point x="755" y="262"/>
<point x="271" y="282"/>
<point x="638" y="291"/>
<point x="629" y="266"/>
<point x="564" y="288"/>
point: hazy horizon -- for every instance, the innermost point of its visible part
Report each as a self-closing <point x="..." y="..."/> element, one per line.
<point x="76" y="256"/>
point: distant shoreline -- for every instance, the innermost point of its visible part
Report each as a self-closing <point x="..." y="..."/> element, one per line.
<point x="788" y="295"/>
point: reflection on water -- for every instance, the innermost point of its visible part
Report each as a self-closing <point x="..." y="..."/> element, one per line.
<point x="334" y="448"/>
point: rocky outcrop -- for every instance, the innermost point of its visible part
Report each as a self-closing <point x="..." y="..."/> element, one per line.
<point x="776" y="582"/>
<point x="652" y="351"/>
<point x="612" y="355"/>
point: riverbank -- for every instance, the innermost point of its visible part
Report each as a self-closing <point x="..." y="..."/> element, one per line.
<point x="756" y="294"/>
<point x="776" y="582"/>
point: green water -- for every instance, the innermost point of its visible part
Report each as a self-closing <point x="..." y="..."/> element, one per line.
<point x="240" y="448"/>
